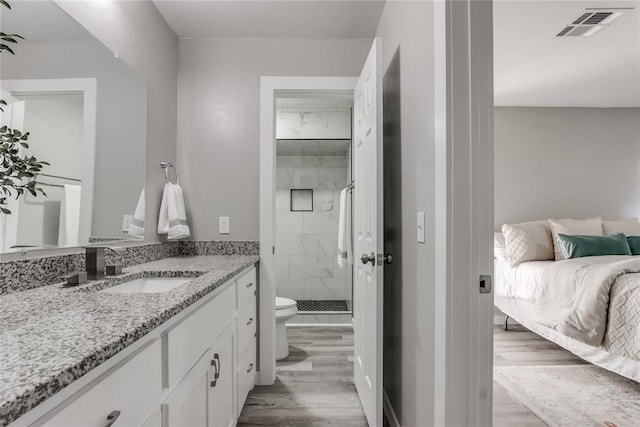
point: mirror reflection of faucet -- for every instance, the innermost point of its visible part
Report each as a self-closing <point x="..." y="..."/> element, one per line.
<point x="95" y="265"/>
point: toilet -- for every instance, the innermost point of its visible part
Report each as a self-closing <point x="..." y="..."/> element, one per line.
<point x="285" y="309"/>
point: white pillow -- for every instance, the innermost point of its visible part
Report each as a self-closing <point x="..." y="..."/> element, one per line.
<point x="499" y="247"/>
<point x="630" y="227"/>
<point x="528" y="241"/>
<point x="586" y="227"/>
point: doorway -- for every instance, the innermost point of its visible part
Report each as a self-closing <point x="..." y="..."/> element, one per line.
<point x="273" y="88"/>
<point x="312" y="201"/>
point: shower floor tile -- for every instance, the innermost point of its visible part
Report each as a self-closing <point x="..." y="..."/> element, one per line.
<point x="322" y="305"/>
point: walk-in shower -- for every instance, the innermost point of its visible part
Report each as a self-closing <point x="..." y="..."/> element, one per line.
<point x="311" y="172"/>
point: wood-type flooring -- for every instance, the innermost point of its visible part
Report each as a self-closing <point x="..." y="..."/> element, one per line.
<point x="314" y="385"/>
<point x="520" y="347"/>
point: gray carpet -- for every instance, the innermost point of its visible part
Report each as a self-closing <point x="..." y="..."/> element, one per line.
<point x="573" y="395"/>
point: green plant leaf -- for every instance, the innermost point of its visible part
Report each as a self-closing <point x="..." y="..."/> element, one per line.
<point x="4" y="210"/>
<point x="7" y="48"/>
<point x="5" y="4"/>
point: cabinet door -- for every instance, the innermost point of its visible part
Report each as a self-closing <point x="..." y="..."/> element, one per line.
<point x="188" y="404"/>
<point x="223" y="386"/>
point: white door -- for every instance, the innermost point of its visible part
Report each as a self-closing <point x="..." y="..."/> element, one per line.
<point x="368" y="237"/>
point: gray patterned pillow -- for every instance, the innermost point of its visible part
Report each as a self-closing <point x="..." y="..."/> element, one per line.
<point x="528" y="241"/>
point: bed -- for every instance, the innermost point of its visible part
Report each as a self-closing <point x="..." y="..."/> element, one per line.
<point x="589" y="305"/>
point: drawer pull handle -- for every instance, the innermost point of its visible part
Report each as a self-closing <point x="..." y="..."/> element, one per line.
<point x="111" y="418"/>
<point x="216" y="365"/>
<point x="249" y="285"/>
<point x="250" y="368"/>
<point x="250" y="321"/>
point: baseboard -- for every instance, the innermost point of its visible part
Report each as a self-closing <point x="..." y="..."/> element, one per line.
<point x="389" y="412"/>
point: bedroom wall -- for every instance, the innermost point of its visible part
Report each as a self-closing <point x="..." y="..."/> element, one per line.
<point x="566" y="162"/>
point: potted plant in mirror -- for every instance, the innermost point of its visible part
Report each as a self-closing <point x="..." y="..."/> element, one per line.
<point x="17" y="171"/>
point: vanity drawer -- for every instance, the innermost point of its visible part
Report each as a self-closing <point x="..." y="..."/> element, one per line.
<point x="246" y="374"/>
<point x="246" y="326"/>
<point x="189" y="339"/>
<point x="134" y="388"/>
<point x="246" y="287"/>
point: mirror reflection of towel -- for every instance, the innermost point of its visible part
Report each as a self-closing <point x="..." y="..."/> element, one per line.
<point x="70" y="216"/>
<point x="172" y="220"/>
<point x="136" y="229"/>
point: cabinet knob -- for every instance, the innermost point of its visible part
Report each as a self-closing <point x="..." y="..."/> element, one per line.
<point x="111" y="418"/>
<point x="250" y="321"/>
<point x="250" y="368"/>
<point x="249" y="285"/>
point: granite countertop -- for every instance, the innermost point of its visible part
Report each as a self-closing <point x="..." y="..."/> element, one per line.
<point x="52" y="335"/>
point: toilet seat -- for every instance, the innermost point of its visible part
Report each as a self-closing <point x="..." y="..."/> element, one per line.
<point x="284" y="303"/>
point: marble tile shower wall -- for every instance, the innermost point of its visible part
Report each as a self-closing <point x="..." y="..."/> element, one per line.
<point x="20" y="275"/>
<point x="306" y="242"/>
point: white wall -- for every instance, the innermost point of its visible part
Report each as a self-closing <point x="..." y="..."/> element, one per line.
<point x="142" y="39"/>
<point x="306" y="242"/>
<point x="219" y="114"/>
<point x="409" y="376"/>
<point x="120" y="124"/>
<point x="566" y="163"/>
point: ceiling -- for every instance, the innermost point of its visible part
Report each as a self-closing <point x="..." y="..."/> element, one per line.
<point x="272" y="18"/>
<point x="532" y="67"/>
<point x="41" y="22"/>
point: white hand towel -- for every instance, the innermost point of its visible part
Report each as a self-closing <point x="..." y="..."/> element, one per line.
<point x="345" y="244"/>
<point x="69" y="227"/>
<point x="136" y="229"/>
<point x="172" y="220"/>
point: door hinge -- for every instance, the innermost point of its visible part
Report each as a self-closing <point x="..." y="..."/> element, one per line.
<point x="485" y="284"/>
<point x="273" y="250"/>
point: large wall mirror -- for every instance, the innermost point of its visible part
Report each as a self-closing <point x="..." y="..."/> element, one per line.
<point x="86" y="112"/>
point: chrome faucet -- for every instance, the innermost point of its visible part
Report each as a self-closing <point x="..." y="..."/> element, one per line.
<point x="95" y="260"/>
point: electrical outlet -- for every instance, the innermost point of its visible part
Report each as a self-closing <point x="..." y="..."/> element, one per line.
<point x="127" y="220"/>
<point x="223" y="225"/>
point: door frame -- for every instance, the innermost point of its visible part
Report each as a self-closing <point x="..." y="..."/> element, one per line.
<point x="89" y="89"/>
<point x="270" y="88"/>
<point x="463" y="39"/>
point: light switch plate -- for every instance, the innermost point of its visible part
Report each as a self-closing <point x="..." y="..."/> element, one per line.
<point x="223" y="225"/>
<point x="127" y="220"/>
<point x="420" y="228"/>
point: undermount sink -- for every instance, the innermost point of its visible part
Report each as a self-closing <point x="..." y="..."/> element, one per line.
<point x="148" y="285"/>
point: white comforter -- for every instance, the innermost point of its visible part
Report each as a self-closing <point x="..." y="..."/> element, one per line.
<point x="573" y="295"/>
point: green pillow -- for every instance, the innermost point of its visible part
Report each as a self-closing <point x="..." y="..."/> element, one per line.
<point x="576" y="246"/>
<point x="634" y="244"/>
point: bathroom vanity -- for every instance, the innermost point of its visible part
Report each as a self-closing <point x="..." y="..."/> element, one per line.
<point x="86" y="356"/>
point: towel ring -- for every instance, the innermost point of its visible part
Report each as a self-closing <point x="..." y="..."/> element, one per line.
<point x="166" y="165"/>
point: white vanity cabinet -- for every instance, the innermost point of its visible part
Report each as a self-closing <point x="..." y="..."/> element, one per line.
<point x="123" y="395"/>
<point x="204" y="397"/>
<point x="195" y="370"/>
<point x="247" y="335"/>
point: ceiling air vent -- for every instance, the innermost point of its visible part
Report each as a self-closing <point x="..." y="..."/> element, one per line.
<point x="590" y="22"/>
